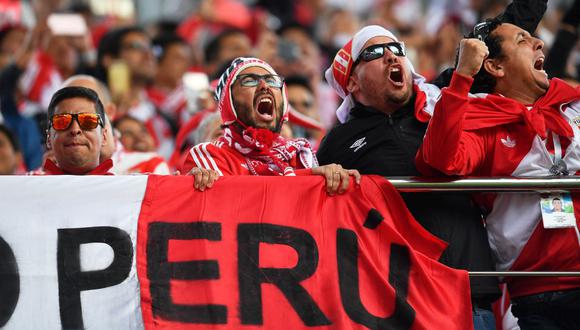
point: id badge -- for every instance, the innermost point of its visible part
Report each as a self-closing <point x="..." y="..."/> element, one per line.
<point x="557" y="211"/>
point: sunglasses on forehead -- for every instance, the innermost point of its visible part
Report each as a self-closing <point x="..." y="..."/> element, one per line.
<point x="86" y="121"/>
<point x="252" y="80"/>
<point x="377" y="51"/>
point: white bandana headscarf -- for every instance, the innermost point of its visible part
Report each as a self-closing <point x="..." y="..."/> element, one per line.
<point x="338" y="73"/>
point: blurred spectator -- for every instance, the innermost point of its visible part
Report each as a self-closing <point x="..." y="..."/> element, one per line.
<point x="209" y="129"/>
<point x="12" y="103"/>
<point x="558" y="59"/>
<point x="299" y="54"/>
<point x="285" y="11"/>
<point x="335" y="28"/>
<point x="56" y="54"/>
<point x="10" y="155"/>
<point x="226" y="46"/>
<point x="174" y="58"/>
<point x="11" y="39"/>
<point x="126" y="56"/>
<point x="137" y="154"/>
<point x="443" y="47"/>
<point x="301" y="99"/>
<point x="134" y="135"/>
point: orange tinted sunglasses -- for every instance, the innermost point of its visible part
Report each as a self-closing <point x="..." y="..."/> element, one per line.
<point x="86" y="121"/>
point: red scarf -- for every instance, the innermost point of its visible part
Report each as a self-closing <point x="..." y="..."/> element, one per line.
<point x="50" y="168"/>
<point x="494" y="110"/>
<point x="268" y="153"/>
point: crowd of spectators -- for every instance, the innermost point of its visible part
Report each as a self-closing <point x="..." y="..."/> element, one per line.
<point x="160" y="73"/>
<point x="155" y="83"/>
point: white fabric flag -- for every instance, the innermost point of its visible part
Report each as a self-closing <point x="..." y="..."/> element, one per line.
<point x="44" y="221"/>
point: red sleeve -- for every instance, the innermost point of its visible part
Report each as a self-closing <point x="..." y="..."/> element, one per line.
<point x="208" y="156"/>
<point x="447" y="147"/>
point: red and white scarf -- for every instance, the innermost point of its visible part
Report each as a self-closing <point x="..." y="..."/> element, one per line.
<point x="494" y="110"/>
<point x="268" y="153"/>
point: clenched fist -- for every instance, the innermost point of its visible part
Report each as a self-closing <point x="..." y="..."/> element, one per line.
<point x="472" y="53"/>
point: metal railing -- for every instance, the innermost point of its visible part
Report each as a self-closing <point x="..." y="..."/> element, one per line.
<point x="416" y="184"/>
<point x="544" y="184"/>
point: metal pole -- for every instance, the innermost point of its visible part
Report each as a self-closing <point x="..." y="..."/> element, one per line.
<point x="524" y="274"/>
<point x="544" y="184"/>
<point x="508" y="184"/>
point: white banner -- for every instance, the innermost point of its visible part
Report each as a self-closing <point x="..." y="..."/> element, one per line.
<point x="67" y="252"/>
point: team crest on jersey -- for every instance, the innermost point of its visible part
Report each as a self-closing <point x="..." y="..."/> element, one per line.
<point x="576" y="122"/>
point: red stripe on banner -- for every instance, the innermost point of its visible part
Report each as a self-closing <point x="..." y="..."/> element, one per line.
<point x="272" y="252"/>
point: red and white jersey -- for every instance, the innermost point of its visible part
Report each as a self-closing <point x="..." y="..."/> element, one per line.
<point x="126" y="162"/>
<point x="516" y="234"/>
<point x="223" y="159"/>
<point x="173" y="103"/>
<point x="38" y="83"/>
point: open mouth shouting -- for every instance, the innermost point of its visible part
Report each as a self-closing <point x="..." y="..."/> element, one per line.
<point x="265" y="106"/>
<point x="539" y="64"/>
<point x="395" y="75"/>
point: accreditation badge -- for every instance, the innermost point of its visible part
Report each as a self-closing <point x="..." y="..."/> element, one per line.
<point x="557" y="211"/>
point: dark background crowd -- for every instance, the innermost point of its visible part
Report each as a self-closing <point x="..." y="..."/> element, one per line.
<point x="157" y="60"/>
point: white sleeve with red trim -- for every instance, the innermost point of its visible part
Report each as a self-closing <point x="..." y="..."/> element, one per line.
<point x="208" y="156"/>
<point x="447" y="147"/>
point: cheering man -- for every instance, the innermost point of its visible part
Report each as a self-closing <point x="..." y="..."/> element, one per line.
<point x="253" y="106"/>
<point x="523" y="124"/>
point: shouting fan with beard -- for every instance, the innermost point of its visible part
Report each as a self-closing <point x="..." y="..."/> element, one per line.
<point x="253" y="106"/>
<point x="384" y="115"/>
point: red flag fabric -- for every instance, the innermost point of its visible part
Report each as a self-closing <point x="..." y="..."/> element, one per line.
<point x="280" y="253"/>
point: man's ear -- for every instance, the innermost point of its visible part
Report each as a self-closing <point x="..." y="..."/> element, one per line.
<point x="353" y="84"/>
<point x="104" y="134"/>
<point x="494" y="67"/>
<point x="48" y="142"/>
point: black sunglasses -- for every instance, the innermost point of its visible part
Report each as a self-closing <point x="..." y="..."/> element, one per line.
<point x="377" y="51"/>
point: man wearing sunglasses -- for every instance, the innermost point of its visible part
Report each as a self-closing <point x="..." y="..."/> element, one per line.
<point x="252" y="101"/>
<point x="522" y="124"/>
<point x="384" y="116"/>
<point x="76" y="133"/>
